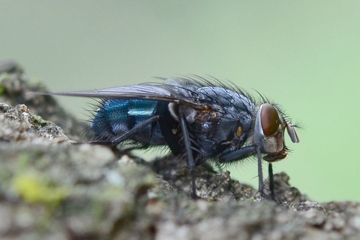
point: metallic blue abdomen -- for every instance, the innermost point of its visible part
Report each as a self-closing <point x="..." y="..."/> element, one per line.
<point x="116" y="117"/>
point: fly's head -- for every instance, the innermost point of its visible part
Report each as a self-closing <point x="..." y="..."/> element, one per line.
<point x="270" y="125"/>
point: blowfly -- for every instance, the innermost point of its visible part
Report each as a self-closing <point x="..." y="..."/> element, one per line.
<point x="195" y="118"/>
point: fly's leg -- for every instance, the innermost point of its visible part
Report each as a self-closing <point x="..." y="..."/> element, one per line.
<point x="261" y="188"/>
<point x="126" y="136"/>
<point x="189" y="154"/>
<point x="272" y="195"/>
<point x="271" y="182"/>
<point x="243" y="153"/>
<point x="260" y="173"/>
<point x="275" y="197"/>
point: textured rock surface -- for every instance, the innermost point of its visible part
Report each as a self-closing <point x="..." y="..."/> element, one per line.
<point x="53" y="189"/>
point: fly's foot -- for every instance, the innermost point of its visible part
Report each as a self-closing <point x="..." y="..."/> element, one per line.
<point x="264" y="194"/>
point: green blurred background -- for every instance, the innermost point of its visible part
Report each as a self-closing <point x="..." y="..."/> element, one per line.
<point x="304" y="55"/>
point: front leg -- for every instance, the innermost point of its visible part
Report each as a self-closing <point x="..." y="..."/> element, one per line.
<point x="274" y="196"/>
<point x="245" y="152"/>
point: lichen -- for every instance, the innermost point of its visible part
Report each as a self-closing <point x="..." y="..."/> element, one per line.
<point x="2" y="90"/>
<point x="35" y="190"/>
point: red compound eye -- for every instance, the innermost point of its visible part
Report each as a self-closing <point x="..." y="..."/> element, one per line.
<point x="269" y="119"/>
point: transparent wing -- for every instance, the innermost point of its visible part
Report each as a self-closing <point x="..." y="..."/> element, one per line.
<point x="167" y="93"/>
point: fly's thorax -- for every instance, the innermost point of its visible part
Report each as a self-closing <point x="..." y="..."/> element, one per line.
<point x="192" y="115"/>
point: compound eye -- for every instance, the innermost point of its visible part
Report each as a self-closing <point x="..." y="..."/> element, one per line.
<point x="270" y="120"/>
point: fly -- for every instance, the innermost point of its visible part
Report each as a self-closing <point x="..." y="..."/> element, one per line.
<point x="193" y="117"/>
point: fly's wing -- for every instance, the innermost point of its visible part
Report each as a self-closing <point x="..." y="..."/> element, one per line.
<point x="166" y="93"/>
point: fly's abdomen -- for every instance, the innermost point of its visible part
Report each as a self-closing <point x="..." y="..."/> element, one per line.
<point x="116" y="117"/>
